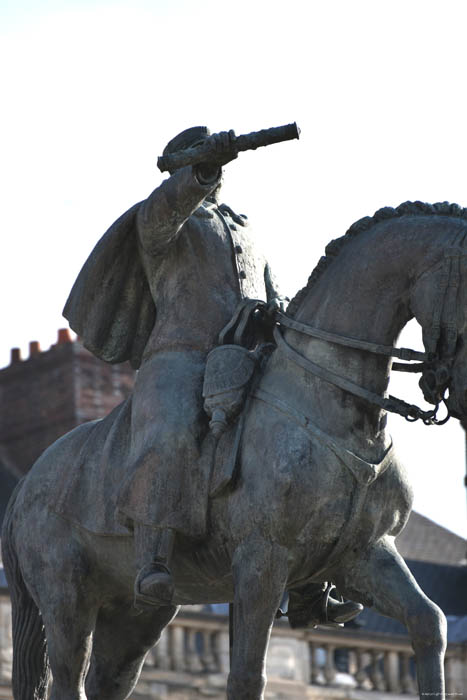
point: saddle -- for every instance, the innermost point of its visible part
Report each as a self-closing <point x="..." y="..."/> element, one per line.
<point x="232" y="371"/>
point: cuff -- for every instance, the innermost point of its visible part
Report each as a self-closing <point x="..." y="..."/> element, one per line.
<point x="207" y="173"/>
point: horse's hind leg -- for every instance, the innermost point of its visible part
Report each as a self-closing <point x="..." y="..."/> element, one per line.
<point x="121" y="642"/>
<point x="68" y="626"/>
<point x="260" y="575"/>
<point x="379" y="577"/>
<point x="58" y="579"/>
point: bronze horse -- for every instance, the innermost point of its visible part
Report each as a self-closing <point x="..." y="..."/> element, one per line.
<point x="320" y="493"/>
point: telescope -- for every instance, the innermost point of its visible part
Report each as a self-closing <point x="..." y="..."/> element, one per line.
<point x="244" y="142"/>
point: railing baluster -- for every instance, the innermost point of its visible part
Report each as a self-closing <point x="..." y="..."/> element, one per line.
<point x="353" y="664"/>
<point x="361" y="676"/>
<point x="207" y="656"/>
<point x="392" y="671"/>
<point x="193" y="643"/>
<point x="376" y="675"/>
<point x="330" y="667"/>
<point x="222" y="652"/>
<point x="314" y="667"/>
<point x="178" y="648"/>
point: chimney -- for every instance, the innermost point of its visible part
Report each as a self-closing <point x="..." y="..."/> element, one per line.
<point x="34" y="348"/>
<point x="15" y="355"/>
<point x="63" y="336"/>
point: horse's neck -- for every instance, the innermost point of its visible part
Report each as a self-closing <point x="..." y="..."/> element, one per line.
<point x="364" y="294"/>
<point x="365" y="291"/>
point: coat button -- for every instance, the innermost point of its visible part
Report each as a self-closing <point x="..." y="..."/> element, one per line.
<point x="238" y="249"/>
<point x="232" y="227"/>
<point x="242" y="274"/>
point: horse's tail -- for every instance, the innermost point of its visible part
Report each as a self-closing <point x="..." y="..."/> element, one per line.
<point x="30" y="658"/>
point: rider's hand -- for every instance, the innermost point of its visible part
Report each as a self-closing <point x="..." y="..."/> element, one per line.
<point x="221" y="147"/>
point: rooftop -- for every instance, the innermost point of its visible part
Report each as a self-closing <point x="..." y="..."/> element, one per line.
<point x="424" y="540"/>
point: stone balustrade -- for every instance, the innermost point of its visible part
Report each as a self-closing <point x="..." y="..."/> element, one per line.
<point x="359" y="662"/>
<point x="384" y="664"/>
<point x="192" y="659"/>
<point x="198" y="643"/>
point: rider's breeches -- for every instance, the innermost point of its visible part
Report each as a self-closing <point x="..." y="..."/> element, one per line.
<point x="166" y="488"/>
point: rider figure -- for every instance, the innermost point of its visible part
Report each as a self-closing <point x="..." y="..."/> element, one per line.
<point x="190" y="262"/>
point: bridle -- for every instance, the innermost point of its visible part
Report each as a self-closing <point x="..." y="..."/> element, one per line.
<point x="436" y="369"/>
<point x="410" y="412"/>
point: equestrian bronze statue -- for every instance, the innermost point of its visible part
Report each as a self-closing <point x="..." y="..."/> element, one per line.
<point x="291" y="481"/>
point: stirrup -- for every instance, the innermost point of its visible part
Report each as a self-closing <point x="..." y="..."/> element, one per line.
<point x="142" y="600"/>
<point x="324" y="610"/>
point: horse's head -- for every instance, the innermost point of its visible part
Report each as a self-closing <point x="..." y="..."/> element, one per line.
<point x="439" y="303"/>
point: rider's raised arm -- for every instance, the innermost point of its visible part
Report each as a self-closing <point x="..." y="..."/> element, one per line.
<point x="163" y="213"/>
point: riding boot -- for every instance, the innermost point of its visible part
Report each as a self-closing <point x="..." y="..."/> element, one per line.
<point x="153" y="583"/>
<point x="339" y="611"/>
<point x="314" y="605"/>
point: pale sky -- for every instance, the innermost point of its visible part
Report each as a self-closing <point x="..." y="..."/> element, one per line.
<point x="92" y="91"/>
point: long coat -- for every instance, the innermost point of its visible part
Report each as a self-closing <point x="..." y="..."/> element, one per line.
<point x="199" y="260"/>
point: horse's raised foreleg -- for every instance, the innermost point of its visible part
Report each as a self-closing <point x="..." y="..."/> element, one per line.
<point x="379" y="577"/>
<point x="121" y="642"/>
<point x="260" y="574"/>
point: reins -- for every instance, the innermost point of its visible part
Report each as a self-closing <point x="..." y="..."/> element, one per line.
<point x="436" y="370"/>
<point x="392" y="404"/>
<point x="347" y="341"/>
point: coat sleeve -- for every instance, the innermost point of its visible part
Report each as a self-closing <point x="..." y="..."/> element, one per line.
<point x="163" y="213"/>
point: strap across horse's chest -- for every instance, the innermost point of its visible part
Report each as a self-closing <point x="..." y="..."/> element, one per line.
<point x="363" y="471"/>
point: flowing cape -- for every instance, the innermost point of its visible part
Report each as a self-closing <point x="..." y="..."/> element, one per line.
<point x="110" y="305"/>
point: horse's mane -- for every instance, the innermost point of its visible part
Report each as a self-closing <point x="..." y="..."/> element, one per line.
<point x="333" y="248"/>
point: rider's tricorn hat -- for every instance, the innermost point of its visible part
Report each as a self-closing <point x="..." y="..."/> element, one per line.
<point x="186" y="139"/>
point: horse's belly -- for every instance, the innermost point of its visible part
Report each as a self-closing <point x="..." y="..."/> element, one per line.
<point x="202" y="572"/>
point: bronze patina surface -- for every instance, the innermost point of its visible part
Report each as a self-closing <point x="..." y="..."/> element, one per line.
<point x="319" y="492"/>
